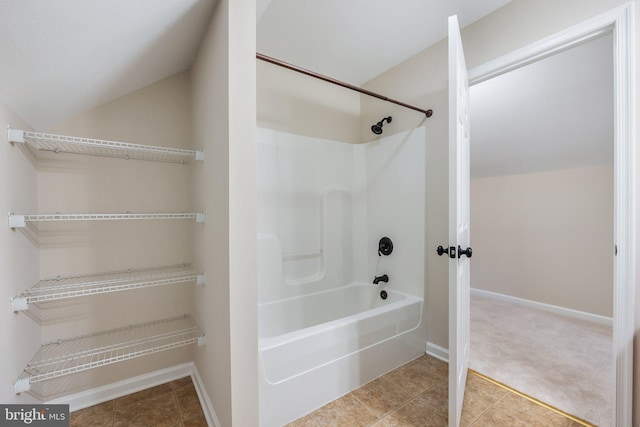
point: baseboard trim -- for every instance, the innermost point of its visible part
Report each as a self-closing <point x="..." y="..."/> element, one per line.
<point x="101" y="394"/>
<point x="438" y="352"/>
<point x="203" y="396"/>
<point x="104" y="393"/>
<point x="575" y="314"/>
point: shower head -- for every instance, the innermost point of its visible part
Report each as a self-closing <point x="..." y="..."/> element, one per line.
<point x="377" y="128"/>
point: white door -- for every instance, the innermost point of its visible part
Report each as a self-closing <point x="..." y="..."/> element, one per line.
<point x="459" y="250"/>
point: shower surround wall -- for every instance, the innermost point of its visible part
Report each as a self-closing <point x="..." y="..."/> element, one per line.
<point x="322" y="207"/>
<point x="305" y="230"/>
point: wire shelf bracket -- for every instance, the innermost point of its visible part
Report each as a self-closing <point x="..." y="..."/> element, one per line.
<point x="45" y="142"/>
<point x="21" y="221"/>
<point x="68" y="356"/>
<point x="60" y="288"/>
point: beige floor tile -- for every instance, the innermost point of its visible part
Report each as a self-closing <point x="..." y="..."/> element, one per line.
<point x="382" y="396"/>
<point x="418" y="413"/>
<point x="436" y="367"/>
<point x="158" y="410"/>
<point x="384" y="402"/>
<point x="195" y="422"/>
<point x="438" y="395"/>
<point x="102" y="415"/>
<point x="142" y="395"/>
<point x="515" y="411"/>
<point x="188" y="402"/>
<point x="416" y="376"/>
<point x="181" y="382"/>
<point x="479" y="396"/>
<point x="306" y="421"/>
<point x="345" y="411"/>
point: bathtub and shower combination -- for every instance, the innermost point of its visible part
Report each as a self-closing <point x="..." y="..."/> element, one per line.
<point x="324" y="328"/>
<point x="308" y="361"/>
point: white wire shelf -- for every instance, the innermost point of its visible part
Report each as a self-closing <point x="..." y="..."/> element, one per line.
<point x="21" y="221"/>
<point x="39" y="142"/>
<point x="60" y="288"/>
<point x="68" y="356"/>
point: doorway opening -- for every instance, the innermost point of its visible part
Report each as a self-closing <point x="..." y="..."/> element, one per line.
<point x="619" y="22"/>
<point x="542" y="212"/>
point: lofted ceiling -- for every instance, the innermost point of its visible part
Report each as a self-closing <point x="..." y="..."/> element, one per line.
<point x="62" y="57"/>
<point x="357" y="40"/>
<point x="556" y="113"/>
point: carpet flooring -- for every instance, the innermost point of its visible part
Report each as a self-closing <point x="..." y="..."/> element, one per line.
<point x="561" y="361"/>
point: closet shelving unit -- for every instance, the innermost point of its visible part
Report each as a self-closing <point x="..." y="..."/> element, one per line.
<point x="68" y="356"/>
<point x="21" y="221"/>
<point x="64" y="357"/>
<point x="38" y="142"/>
<point x="60" y="288"/>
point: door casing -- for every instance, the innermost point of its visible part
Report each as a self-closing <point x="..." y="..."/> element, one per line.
<point x="619" y="22"/>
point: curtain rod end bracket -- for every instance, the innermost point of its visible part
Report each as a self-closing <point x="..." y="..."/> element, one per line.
<point x="429" y="113"/>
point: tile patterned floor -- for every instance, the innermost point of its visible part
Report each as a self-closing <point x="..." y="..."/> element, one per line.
<point x="173" y="404"/>
<point x="416" y="395"/>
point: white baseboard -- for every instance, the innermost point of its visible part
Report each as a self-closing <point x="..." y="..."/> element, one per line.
<point x="438" y="352"/>
<point x="101" y="394"/>
<point x="575" y="314"/>
<point x="205" y="402"/>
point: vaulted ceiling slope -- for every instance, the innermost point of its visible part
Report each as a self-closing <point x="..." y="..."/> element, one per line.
<point x="62" y="57"/>
<point x="357" y="40"/>
<point x="556" y="113"/>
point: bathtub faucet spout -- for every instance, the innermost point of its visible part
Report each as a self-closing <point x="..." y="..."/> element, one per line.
<point x="383" y="278"/>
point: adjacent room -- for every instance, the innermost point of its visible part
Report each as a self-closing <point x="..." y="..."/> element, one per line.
<point x="542" y="224"/>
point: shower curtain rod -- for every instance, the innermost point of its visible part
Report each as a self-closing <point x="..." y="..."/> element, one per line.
<point x="328" y="79"/>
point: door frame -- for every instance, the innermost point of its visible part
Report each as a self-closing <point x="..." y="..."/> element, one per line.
<point x="619" y="22"/>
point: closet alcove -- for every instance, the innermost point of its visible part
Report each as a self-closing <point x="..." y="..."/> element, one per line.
<point x="69" y="355"/>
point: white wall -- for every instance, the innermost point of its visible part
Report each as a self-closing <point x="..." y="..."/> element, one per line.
<point x="242" y="213"/>
<point x="19" y="260"/>
<point x="210" y="105"/>
<point x="224" y="121"/>
<point x="546" y="237"/>
<point x="299" y="104"/>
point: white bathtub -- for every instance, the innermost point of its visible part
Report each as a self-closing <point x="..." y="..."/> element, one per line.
<point x="306" y="341"/>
